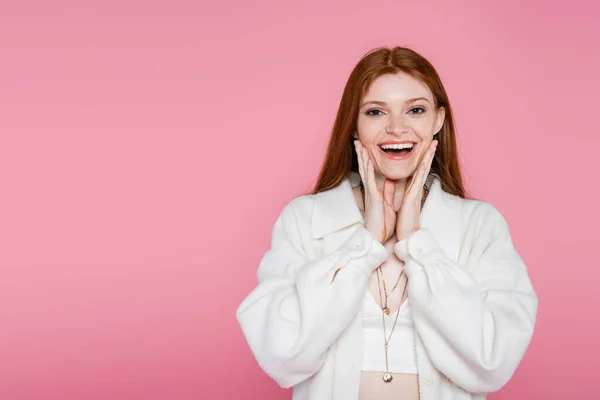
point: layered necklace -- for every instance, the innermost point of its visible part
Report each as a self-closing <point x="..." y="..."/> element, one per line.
<point x="383" y="297"/>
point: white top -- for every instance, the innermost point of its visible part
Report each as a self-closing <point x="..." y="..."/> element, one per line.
<point x="471" y="298"/>
<point x="402" y="356"/>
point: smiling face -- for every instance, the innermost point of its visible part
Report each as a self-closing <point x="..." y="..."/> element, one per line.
<point x="397" y="121"/>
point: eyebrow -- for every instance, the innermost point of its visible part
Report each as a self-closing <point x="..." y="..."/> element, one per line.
<point x="382" y="103"/>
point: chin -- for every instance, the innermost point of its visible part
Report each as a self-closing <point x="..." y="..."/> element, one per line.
<point x="397" y="175"/>
<point x="397" y="170"/>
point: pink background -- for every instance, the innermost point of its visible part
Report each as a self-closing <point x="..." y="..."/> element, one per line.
<point x="146" y="149"/>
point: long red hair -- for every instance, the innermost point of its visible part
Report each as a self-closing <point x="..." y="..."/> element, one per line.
<point x="341" y="157"/>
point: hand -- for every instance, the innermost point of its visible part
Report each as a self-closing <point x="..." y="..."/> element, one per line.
<point x="409" y="215"/>
<point x="380" y="215"/>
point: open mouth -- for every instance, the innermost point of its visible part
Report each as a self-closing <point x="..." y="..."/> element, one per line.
<point x="397" y="151"/>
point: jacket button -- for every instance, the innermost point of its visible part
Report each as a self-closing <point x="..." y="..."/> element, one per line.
<point x="428" y="381"/>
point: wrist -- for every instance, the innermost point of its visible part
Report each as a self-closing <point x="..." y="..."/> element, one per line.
<point x="401" y="235"/>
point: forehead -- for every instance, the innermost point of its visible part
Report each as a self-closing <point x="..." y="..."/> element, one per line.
<point x="398" y="86"/>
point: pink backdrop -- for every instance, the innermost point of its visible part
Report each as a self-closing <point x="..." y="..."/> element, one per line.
<point x="147" y="147"/>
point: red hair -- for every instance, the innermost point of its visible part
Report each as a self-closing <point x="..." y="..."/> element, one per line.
<point x="341" y="157"/>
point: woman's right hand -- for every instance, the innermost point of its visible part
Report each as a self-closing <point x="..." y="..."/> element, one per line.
<point x="380" y="215"/>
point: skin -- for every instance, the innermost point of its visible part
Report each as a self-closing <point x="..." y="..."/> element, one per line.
<point x="396" y="107"/>
<point x="393" y="190"/>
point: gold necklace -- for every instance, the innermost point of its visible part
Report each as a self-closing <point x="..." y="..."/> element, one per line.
<point x="385" y="307"/>
<point x="387" y="377"/>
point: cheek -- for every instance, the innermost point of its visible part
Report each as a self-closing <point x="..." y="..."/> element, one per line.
<point x="368" y="132"/>
<point x="424" y="129"/>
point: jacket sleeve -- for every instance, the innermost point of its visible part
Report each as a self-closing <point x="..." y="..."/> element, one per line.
<point x="300" y="305"/>
<point x="475" y="320"/>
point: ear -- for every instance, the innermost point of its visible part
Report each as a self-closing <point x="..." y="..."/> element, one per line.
<point x="439" y="120"/>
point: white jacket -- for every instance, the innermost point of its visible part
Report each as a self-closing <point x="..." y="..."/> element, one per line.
<point x="472" y="302"/>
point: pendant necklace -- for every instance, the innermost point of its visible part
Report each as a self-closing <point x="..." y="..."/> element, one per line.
<point x="387" y="376"/>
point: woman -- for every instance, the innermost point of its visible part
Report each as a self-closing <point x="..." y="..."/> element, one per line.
<point x="388" y="282"/>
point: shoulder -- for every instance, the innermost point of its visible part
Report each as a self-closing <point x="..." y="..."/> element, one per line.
<point x="471" y="211"/>
<point x="478" y="215"/>
<point x="297" y="211"/>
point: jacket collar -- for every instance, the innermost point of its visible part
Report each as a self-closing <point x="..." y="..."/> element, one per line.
<point x="336" y="209"/>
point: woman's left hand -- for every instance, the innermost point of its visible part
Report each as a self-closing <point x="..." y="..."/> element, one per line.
<point x="409" y="214"/>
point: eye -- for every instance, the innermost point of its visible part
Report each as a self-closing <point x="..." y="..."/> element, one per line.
<point x="374" y="112"/>
<point x="416" y="110"/>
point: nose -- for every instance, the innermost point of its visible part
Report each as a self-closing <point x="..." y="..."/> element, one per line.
<point x="396" y="125"/>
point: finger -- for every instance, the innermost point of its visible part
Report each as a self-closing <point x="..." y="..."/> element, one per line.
<point x="371" y="174"/>
<point x="360" y="161"/>
<point x="364" y="165"/>
<point x="374" y="185"/>
<point x="366" y="179"/>
<point x="419" y="180"/>
<point x="414" y="190"/>
<point x="431" y="153"/>
<point x="427" y="161"/>
<point x="430" y="161"/>
<point x="367" y="161"/>
<point x="420" y="176"/>
<point x="409" y="184"/>
<point x="388" y="191"/>
<point x="411" y="192"/>
<point x="424" y="166"/>
<point x="360" y="166"/>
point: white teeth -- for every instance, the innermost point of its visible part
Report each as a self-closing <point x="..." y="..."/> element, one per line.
<point x="397" y="146"/>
